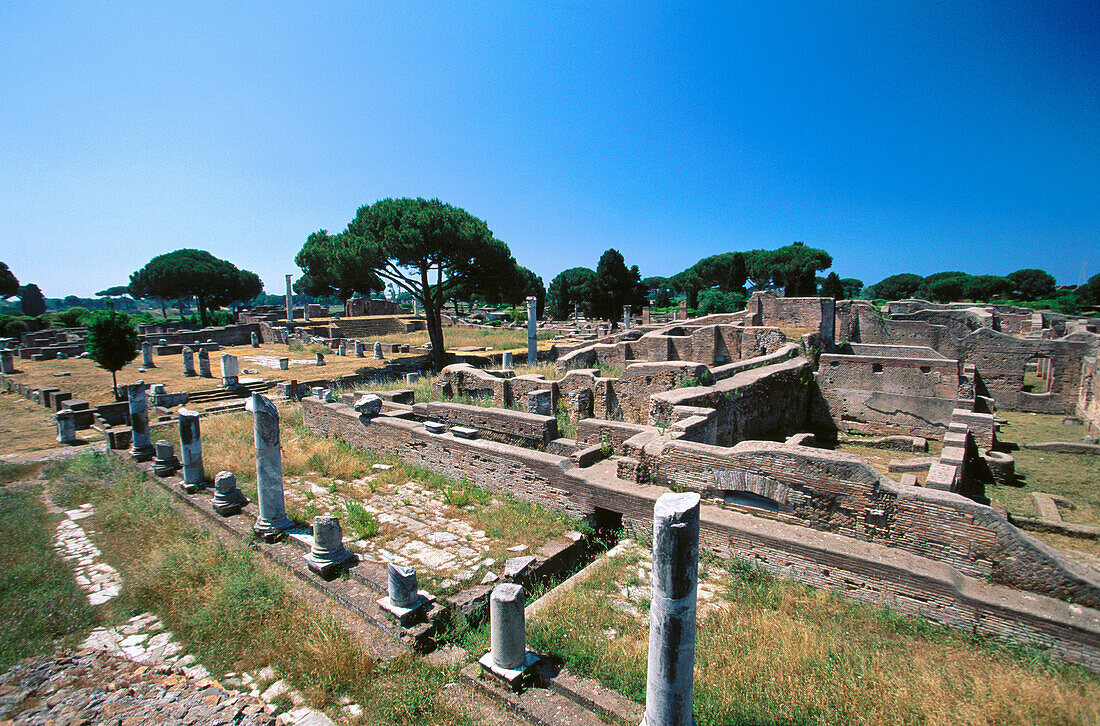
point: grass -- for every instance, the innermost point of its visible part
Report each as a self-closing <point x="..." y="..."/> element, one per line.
<point x="462" y="337"/>
<point x="777" y="652"/>
<point x="1072" y="476"/>
<point x="234" y="614"/>
<point x="11" y="473"/>
<point x="40" y="602"/>
<point x="26" y="426"/>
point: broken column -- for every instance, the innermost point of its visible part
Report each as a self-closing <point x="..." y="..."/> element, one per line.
<point x="670" y="676"/>
<point x="506" y="362"/>
<point x="645" y="315"/>
<point x="7" y="361"/>
<point x="328" y="554"/>
<point x="532" y="330"/>
<point x="507" y="658"/>
<point x="320" y="359"/>
<point x="358" y="349"/>
<point x="141" y="448"/>
<point x="284" y="364"/>
<point x="191" y="448"/>
<point x="411" y="378"/>
<point x="204" y="363"/>
<point x="229" y="370"/>
<point x="255" y="339"/>
<point x="66" y="426"/>
<point x="165" y="463"/>
<point x="147" y="355"/>
<point x="227" y="499"/>
<point x="378" y="351"/>
<point x="404" y="601"/>
<point x="272" y="520"/>
<point x="626" y="317"/>
<point x="289" y="301"/>
<point x="188" y="362"/>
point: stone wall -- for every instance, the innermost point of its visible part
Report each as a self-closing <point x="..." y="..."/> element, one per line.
<point x="510" y="427"/>
<point x="227" y="335"/>
<point x="361" y="306"/>
<point x="816" y="314"/>
<point x="1088" y="401"/>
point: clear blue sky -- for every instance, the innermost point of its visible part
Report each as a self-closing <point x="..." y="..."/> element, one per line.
<point x="900" y="137"/>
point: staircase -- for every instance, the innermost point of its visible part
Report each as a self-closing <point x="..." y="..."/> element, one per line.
<point x="219" y="400"/>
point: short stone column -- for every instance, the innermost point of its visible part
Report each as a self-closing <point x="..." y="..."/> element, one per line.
<point x="532" y="330"/>
<point x="204" y="364"/>
<point x="319" y="392"/>
<point x="165" y="463"/>
<point x="66" y="426"/>
<point x="188" y="362"/>
<point x="404" y="601"/>
<point x="670" y="676"/>
<point x="646" y="316"/>
<point x="284" y="364"/>
<point x="328" y="554"/>
<point x="506" y="362"/>
<point x="228" y="499"/>
<point x="320" y="359"/>
<point x="272" y="520"/>
<point x="626" y="317"/>
<point x="255" y="339"/>
<point x="507" y="658"/>
<point x="147" y="355"/>
<point x="411" y="379"/>
<point x="191" y="448"/>
<point x="7" y="361"/>
<point x="682" y="311"/>
<point x="157" y="394"/>
<point x="378" y="351"/>
<point x="343" y="349"/>
<point x="358" y="349"/>
<point x="305" y="311"/>
<point x="229" y="371"/>
<point x="141" y="448"/>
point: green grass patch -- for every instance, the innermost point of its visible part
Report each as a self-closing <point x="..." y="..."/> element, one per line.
<point x="10" y="473"/>
<point x="40" y="601"/>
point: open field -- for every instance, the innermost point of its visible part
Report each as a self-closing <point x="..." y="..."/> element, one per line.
<point x="777" y="652"/>
<point x="27" y="426"/>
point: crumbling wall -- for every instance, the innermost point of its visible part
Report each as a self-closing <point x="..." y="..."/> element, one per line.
<point x="809" y="313"/>
<point x="1088" y="400"/>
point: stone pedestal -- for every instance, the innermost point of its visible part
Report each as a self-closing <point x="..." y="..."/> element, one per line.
<point x="328" y="555"/>
<point x="147" y="355"/>
<point x="165" y="463"/>
<point x="157" y="394"/>
<point x="405" y="602"/>
<point x="358" y="349"/>
<point x="378" y="351"/>
<point x="66" y="426"/>
<point x="228" y="499"/>
<point x="284" y="364"/>
<point x="141" y="448"/>
<point x="7" y="362"/>
<point x="670" y="676"/>
<point x="645" y="316"/>
<point x="320" y="359"/>
<point x="229" y="371"/>
<point x="272" y="521"/>
<point x="508" y="658"/>
<point x="411" y="379"/>
<point x="506" y="362"/>
<point x="191" y="449"/>
<point x="532" y="330"/>
<point x="255" y="340"/>
<point x="188" y="362"/>
<point x="204" y="364"/>
<point x="342" y="349"/>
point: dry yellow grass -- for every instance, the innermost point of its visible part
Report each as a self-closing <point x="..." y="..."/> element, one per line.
<point x="26" y="426"/>
<point x="777" y="652"/>
<point x="460" y="337"/>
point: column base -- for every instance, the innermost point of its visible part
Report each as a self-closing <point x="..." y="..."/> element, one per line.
<point x="408" y="615"/>
<point x="512" y="677"/>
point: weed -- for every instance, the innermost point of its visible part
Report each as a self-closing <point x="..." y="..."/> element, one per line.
<point x="361" y="521"/>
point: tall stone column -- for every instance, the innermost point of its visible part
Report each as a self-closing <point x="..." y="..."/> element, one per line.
<point x="305" y="311"/>
<point x="191" y="447"/>
<point x="532" y="330"/>
<point x="670" y="677"/>
<point x="289" y="301"/>
<point x="141" y="447"/>
<point x="272" y="519"/>
<point x="204" y="363"/>
<point x="626" y="317"/>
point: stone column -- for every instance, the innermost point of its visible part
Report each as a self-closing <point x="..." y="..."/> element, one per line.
<point x="411" y="378"/>
<point x="284" y="364"/>
<point x="272" y="519"/>
<point x="229" y="370"/>
<point x="305" y="311"/>
<point x="204" y="363"/>
<point x="416" y="307"/>
<point x="255" y="339"/>
<point x="141" y="448"/>
<point x="188" y="362"/>
<point x="506" y="362"/>
<point x="645" y="316"/>
<point x="378" y="351"/>
<point x="147" y="355"/>
<point x="191" y="447"/>
<point x="320" y="359"/>
<point x="358" y="349"/>
<point x="626" y="317"/>
<point x="670" y="676"/>
<point x="343" y="348"/>
<point x="328" y="554"/>
<point x="227" y="499"/>
<point x="165" y="463"/>
<point x="576" y="311"/>
<point x="289" y="301"/>
<point x="402" y="585"/>
<point x="66" y="426"/>
<point x="682" y="313"/>
<point x="532" y="330"/>
<point x="7" y="361"/>
<point x="507" y="627"/>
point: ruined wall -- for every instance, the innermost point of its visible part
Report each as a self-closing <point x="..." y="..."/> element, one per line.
<point x="517" y="428"/>
<point x="227" y="335"/>
<point x="810" y="313"/>
<point x="1088" y="401"/>
<point x="886" y="394"/>
<point x="361" y="306"/>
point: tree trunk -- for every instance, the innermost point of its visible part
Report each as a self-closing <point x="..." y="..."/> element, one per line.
<point x="163" y="309"/>
<point x="202" y="310"/>
<point x="114" y="384"/>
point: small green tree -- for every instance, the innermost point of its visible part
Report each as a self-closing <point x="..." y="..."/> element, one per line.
<point x="833" y="287"/>
<point x="112" y="342"/>
<point x="31" y="300"/>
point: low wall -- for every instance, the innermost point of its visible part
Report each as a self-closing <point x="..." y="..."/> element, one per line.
<point x="518" y="428"/>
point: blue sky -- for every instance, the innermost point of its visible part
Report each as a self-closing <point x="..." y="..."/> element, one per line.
<point x="899" y="137"/>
